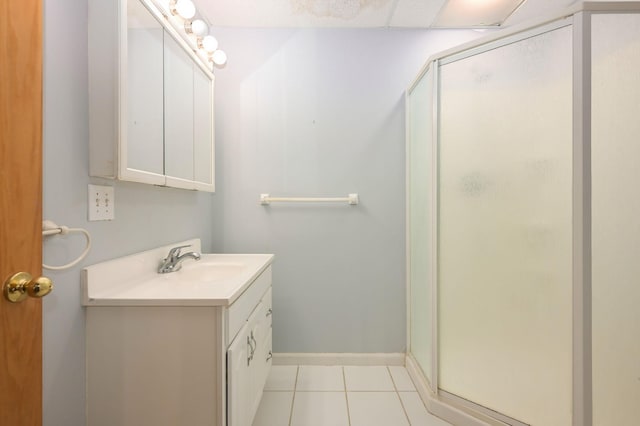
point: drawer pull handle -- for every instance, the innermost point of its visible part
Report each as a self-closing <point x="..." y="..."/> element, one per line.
<point x="252" y="348"/>
<point x="269" y="356"/>
<point x="269" y="312"/>
<point x="255" y="345"/>
<point x="249" y="350"/>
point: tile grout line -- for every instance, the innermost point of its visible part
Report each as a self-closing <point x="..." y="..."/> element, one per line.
<point x="293" y="400"/>
<point x="398" y="395"/>
<point x="346" y="398"/>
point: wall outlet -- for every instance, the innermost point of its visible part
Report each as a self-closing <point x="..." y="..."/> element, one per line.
<point x="101" y="203"/>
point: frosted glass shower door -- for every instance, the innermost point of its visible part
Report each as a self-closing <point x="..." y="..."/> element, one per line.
<point x="616" y="219"/>
<point x="505" y="228"/>
<point x="420" y="154"/>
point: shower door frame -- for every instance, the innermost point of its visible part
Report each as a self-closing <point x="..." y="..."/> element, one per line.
<point x="443" y="403"/>
<point x="432" y="383"/>
<point x="440" y="402"/>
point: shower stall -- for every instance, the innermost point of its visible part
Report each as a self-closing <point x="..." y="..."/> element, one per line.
<point x="523" y="216"/>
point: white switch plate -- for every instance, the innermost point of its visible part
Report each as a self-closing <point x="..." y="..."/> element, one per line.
<point x="101" y="203"/>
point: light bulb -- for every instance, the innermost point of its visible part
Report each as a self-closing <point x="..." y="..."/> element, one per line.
<point x="219" y="58"/>
<point x="209" y="44"/>
<point x="186" y="9"/>
<point x="199" y="28"/>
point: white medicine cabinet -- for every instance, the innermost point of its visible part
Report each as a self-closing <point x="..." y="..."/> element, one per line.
<point x="150" y="99"/>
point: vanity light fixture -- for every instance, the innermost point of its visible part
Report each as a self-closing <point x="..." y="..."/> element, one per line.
<point x="180" y="14"/>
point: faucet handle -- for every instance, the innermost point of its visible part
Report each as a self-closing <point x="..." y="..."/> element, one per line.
<point x="175" y="251"/>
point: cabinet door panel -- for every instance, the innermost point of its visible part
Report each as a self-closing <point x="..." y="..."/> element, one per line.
<point x="261" y="367"/>
<point x="178" y="118"/>
<point x="145" y="111"/>
<point x="239" y="379"/>
<point x="203" y="130"/>
<point x="260" y="324"/>
<point x="248" y="364"/>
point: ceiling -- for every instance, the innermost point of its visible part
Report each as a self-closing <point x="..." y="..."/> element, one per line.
<point x="367" y="13"/>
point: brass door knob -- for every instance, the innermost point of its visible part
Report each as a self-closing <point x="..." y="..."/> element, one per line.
<point x="21" y="285"/>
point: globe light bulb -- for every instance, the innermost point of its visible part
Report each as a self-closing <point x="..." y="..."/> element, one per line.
<point x="186" y="9"/>
<point x="199" y="28"/>
<point x="219" y="58"/>
<point x="209" y="44"/>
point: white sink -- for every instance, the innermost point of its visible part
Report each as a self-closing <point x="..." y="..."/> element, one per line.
<point x="214" y="280"/>
<point x="210" y="268"/>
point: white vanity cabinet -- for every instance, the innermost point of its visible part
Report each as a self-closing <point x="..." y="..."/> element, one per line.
<point x="157" y="359"/>
<point x="150" y="99"/>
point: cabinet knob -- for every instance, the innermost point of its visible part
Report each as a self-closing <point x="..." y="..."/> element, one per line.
<point x="269" y="312"/>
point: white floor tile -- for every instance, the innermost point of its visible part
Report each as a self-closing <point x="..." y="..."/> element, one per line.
<point x="369" y="378"/>
<point x="281" y="378"/>
<point x="417" y="412"/>
<point x="401" y="378"/>
<point x="320" y="378"/>
<point x="376" y="409"/>
<point x="320" y="409"/>
<point x="274" y="409"/>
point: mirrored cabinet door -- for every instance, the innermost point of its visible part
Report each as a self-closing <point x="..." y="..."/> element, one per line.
<point x="145" y="112"/>
<point x="203" y="130"/>
<point x="179" y="118"/>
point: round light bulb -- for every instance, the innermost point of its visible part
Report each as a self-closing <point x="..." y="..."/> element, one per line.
<point x="209" y="44"/>
<point x="199" y="28"/>
<point x="219" y="58"/>
<point x="186" y="9"/>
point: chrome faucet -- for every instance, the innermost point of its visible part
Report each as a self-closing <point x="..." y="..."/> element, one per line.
<point x="173" y="261"/>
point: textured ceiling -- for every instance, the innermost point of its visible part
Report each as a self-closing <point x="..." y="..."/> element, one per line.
<point x="354" y="13"/>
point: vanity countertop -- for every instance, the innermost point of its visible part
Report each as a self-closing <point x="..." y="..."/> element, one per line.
<point x="214" y="280"/>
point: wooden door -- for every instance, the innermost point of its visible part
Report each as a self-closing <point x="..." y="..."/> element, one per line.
<point x="20" y="208"/>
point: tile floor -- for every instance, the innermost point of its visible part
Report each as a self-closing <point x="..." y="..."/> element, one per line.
<point x="342" y="396"/>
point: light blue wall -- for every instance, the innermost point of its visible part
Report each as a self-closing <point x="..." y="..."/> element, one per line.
<point x="146" y="216"/>
<point x="298" y="113"/>
<point x="321" y="113"/>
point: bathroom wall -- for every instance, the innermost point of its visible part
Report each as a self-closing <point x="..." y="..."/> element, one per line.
<point x="298" y="113"/>
<point x="321" y="113"/>
<point x="146" y="216"/>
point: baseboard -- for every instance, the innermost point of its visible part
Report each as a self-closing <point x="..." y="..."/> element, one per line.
<point x="439" y="406"/>
<point x="338" y="358"/>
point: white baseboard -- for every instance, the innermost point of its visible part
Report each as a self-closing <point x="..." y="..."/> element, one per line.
<point x="338" y="358"/>
<point x="440" y="408"/>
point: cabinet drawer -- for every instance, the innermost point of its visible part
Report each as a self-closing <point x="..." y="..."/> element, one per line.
<point x="239" y="311"/>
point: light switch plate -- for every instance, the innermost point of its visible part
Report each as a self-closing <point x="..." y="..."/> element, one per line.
<point x="101" y="203"/>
